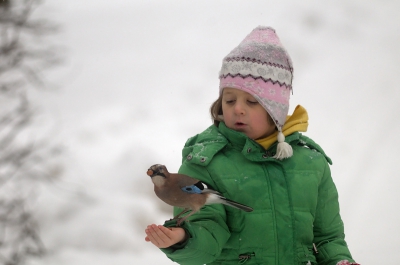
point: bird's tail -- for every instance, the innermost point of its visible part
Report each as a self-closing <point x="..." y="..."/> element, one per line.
<point x="215" y="198"/>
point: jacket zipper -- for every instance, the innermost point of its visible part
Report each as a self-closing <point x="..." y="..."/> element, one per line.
<point x="243" y="258"/>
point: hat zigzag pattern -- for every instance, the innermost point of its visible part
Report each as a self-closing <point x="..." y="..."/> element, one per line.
<point x="259" y="77"/>
<point x="248" y="59"/>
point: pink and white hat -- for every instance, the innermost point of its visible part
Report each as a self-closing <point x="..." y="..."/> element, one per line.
<point x="261" y="66"/>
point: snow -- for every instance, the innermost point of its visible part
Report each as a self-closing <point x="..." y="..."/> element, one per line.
<point x="139" y="79"/>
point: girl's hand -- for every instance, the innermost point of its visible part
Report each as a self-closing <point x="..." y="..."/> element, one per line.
<point x="163" y="237"/>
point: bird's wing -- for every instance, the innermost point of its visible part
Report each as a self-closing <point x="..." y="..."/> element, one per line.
<point x="192" y="189"/>
<point x="211" y="191"/>
<point x="192" y="185"/>
<point x="199" y="187"/>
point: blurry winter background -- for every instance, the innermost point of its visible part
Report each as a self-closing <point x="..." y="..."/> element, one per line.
<point x="138" y="78"/>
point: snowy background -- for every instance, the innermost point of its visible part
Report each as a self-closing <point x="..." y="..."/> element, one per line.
<point x="139" y="79"/>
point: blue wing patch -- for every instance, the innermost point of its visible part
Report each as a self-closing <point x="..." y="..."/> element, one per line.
<point x="193" y="189"/>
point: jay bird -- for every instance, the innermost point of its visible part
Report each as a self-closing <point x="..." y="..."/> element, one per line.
<point x="186" y="192"/>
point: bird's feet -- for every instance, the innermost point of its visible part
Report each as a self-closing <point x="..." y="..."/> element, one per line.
<point x="180" y="221"/>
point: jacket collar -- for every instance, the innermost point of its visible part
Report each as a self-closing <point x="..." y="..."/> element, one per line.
<point x="255" y="152"/>
<point x="248" y="147"/>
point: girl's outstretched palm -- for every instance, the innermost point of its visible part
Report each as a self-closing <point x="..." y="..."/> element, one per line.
<point x="163" y="237"/>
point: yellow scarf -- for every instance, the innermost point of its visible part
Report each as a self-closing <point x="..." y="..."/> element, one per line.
<point x="297" y="122"/>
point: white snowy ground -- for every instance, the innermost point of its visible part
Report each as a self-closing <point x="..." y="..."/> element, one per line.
<point x="140" y="77"/>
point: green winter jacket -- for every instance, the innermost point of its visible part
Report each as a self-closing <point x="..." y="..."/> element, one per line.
<point x="295" y="204"/>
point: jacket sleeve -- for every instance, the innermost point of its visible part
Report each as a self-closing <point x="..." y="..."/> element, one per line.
<point x="207" y="230"/>
<point x="329" y="236"/>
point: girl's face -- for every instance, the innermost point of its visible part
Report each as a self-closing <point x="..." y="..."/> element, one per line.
<point x="243" y="113"/>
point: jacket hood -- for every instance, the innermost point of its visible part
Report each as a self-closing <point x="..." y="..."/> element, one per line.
<point x="297" y="122"/>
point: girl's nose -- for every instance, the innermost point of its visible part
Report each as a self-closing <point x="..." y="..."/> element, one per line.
<point x="239" y="108"/>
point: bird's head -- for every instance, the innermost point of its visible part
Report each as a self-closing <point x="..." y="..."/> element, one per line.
<point x="157" y="170"/>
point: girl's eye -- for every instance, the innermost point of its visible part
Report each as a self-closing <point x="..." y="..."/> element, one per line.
<point x="252" y="102"/>
<point x="230" y="101"/>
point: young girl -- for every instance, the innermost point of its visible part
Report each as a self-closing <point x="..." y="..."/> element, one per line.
<point x="255" y="154"/>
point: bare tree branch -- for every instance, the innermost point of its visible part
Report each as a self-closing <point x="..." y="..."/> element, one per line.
<point x="25" y="161"/>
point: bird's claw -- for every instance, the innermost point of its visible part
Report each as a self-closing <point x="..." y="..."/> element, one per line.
<point x="181" y="221"/>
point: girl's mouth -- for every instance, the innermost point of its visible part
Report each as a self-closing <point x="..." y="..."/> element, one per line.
<point x="239" y="124"/>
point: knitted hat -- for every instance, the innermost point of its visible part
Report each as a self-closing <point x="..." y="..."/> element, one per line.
<point x="261" y="66"/>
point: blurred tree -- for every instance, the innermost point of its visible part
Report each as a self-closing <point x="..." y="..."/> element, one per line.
<point x="26" y="161"/>
<point x="4" y="3"/>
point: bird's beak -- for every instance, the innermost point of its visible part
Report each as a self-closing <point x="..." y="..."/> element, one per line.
<point x="156" y="170"/>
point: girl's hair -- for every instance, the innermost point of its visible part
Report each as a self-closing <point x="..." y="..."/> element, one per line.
<point x="216" y="110"/>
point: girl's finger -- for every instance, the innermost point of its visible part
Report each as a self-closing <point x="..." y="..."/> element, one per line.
<point x="153" y="237"/>
<point x="160" y="234"/>
<point x="167" y="231"/>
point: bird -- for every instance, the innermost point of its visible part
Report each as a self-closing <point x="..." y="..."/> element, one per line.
<point x="186" y="192"/>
